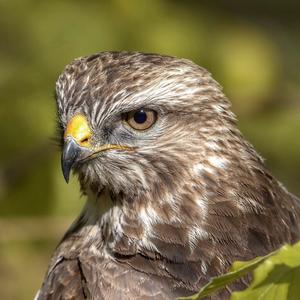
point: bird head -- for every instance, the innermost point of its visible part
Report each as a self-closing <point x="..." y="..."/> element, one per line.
<point x="138" y="123"/>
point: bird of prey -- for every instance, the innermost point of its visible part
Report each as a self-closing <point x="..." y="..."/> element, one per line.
<point x="174" y="192"/>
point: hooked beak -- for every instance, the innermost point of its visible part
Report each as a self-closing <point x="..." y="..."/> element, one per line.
<point x="76" y="144"/>
<point x="72" y="153"/>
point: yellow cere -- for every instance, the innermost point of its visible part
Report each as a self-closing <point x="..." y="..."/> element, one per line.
<point x="78" y="128"/>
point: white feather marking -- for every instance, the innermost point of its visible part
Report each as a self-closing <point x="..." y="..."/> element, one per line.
<point x="86" y="81"/>
<point x="212" y="146"/>
<point x="148" y="216"/>
<point x="218" y="108"/>
<point x="195" y="234"/>
<point x="217" y="161"/>
<point x="200" y="168"/>
<point x="146" y="243"/>
<point x="203" y="267"/>
<point x="37" y="295"/>
<point x="202" y="205"/>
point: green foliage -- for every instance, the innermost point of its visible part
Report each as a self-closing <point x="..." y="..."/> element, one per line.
<point x="40" y="38"/>
<point x="276" y="276"/>
<point x="251" y="48"/>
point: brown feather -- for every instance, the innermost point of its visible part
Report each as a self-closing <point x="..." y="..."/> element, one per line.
<point x="193" y="196"/>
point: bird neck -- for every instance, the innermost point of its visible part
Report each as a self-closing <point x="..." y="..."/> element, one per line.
<point x="98" y="203"/>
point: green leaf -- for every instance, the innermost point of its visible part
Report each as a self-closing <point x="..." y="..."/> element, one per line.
<point x="275" y="276"/>
<point x="237" y="270"/>
<point x="278" y="277"/>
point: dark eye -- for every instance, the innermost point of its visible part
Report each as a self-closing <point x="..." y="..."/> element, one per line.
<point x="141" y="119"/>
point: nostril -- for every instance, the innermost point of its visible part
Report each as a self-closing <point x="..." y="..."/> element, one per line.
<point x="86" y="140"/>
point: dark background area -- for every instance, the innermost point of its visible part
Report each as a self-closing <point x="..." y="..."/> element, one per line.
<point x="251" y="47"/>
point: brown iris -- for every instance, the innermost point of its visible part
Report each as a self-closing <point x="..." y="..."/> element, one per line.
<point x="141" y="119"/>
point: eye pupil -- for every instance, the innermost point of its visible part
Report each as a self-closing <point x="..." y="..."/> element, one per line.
<point x="140" y="117"/>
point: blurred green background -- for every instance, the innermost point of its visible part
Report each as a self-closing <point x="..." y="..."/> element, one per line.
<point x="251" y="47"/>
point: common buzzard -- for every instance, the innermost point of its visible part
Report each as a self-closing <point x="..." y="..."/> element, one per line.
<point x="174" y="192"/>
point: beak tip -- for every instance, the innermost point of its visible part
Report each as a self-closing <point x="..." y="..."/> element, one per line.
<point x="72" y="153"/>
<point x="68" y="158"/>
<point x="66" y="169"/>
<point x="66" y="177"/>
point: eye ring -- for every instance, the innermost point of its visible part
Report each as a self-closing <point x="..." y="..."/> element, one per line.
<point x="141" y="119"/>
